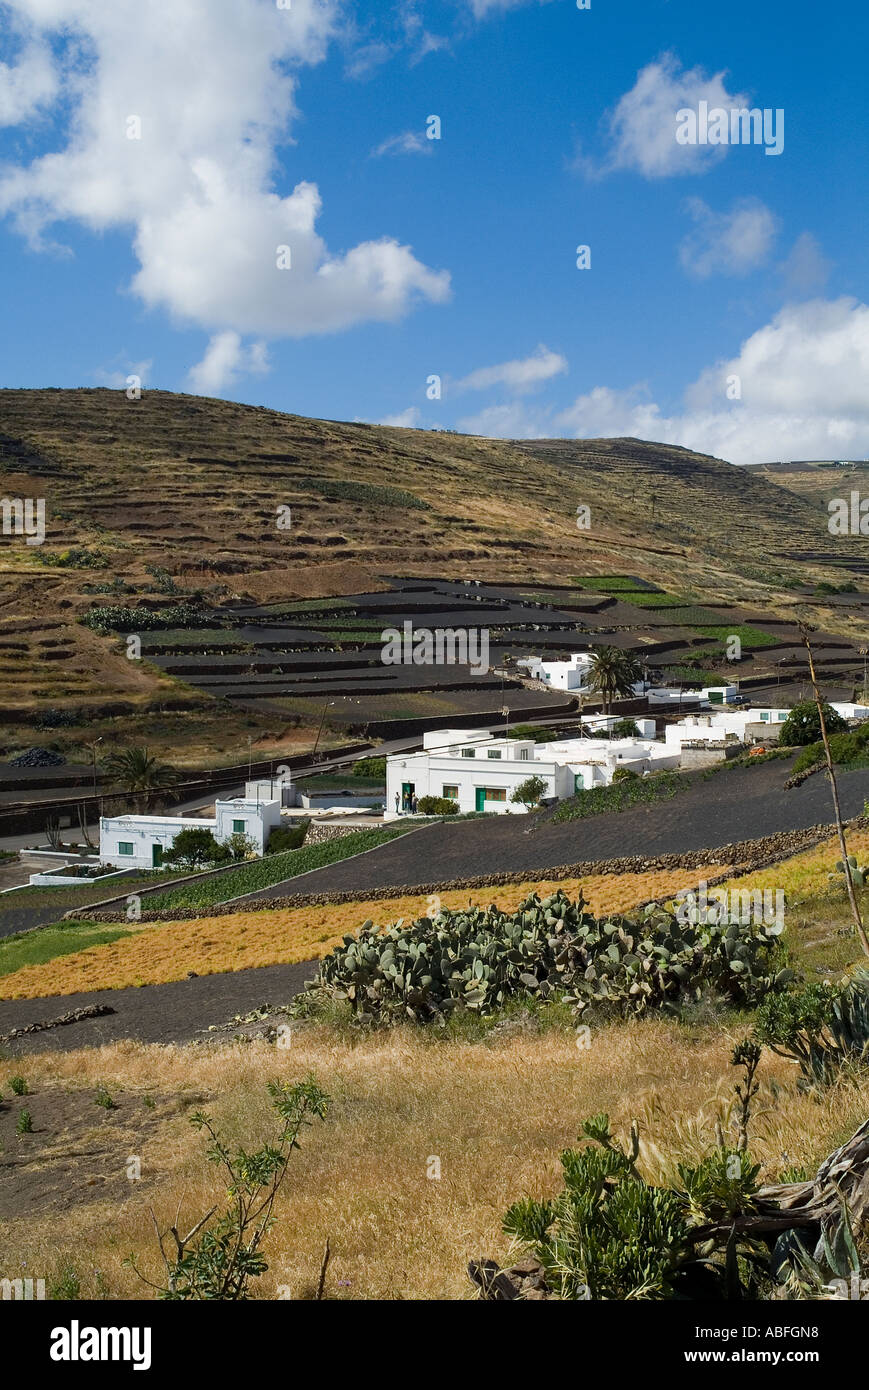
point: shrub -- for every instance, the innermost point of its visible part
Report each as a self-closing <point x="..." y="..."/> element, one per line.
<point x="437" y="806"/>
<point x="478" y="958"/>
<point x="24" y="1123"/>
<point x="610" y="1234"/>
<point x="803" y="724"/>
<point x="624" y="728"/>
<point x="287" y="837"/>
<point x="625" y="774"/>
<point x="824" y="1027"/>
<point x="19" y="1086"/>
<point x="121" y="619"/>
<point x="192" y="848"/>
<point x="529" y="792"/>
<point x="103" y="1097"/>
<point x="526" y="731"/>
<point x="370" y="767"/>
<point x="220" y="1262"/>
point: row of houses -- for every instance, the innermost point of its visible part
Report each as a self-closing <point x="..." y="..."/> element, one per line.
<point x="482" y="773"/>
<point x="471" y="767"/>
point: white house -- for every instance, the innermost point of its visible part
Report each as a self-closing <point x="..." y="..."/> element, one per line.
<point x="743" y="724"/>
<point x="141" y="841"/>
<point x="708" y="695"/>
<point x="482" y="773"/>
<point x="849" y="710"/>
<point x="572" y="674"/>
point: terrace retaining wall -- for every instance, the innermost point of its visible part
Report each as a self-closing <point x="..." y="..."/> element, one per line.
<point x="744" y="856"/>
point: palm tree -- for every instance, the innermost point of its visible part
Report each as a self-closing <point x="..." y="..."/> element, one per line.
<point x="141" y="775"/>
<point x="614" y="673"/>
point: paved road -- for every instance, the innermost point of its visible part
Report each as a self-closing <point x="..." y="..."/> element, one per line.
<point x="173" y="1013"/>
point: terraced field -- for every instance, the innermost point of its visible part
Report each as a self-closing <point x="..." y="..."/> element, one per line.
<point x="160" y="953"/>
<point x="172" y="499"/>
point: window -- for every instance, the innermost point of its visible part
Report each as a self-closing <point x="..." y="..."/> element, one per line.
<point x="764" y="717"/>
<point x="494" y="752"/>
<point x="495" y="794"/>
<point x="238" y="827"/>
<point x="125" y="847"/>
<point x="523" y="753"/>
<point x="451" y="793"/>
<point x="469" y="752"/>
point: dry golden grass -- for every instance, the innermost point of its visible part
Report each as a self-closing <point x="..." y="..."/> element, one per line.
<point x="805" y="874"/>
<point x="496" y="1115"/>
<point x="160" y="953"/>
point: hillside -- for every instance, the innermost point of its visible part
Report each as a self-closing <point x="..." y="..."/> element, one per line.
<point x="175" y="494"/>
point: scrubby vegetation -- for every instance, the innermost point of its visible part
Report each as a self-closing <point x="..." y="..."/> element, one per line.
<point x="660" y="786"/>
<point x="548" y="948"/>
<point x="263" y="873"/>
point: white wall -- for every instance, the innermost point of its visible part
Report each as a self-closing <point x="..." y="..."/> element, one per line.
<point x="144" y="832"/>
<point x="513" y="761"/>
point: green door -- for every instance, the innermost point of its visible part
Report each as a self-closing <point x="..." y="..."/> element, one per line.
<point x="156" y="856"/>
<point x="407" y="791"/>
<point x="480" y="801"/>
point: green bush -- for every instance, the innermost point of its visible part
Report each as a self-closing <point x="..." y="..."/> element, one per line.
<point x="192" y="848"/>
<point x="624" y="728"/>
<point x="610" y="1234"/>
<point x="437" y="806"/>
<point x="803" y="725"/>
<point x="287" y="837"/>
<point x="850" y="747"/>
<point x="121" y="619"/>
<point x="625" y="774"/>
<point x="478" y="958"/>
<point x="526" y="731"/>
<point x="370" y="767"/>
<point x="824" y="1027"/>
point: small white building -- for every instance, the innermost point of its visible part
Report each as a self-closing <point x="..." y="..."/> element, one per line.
<point x="140" y="842"/>
<point x="572" y="674"/>
<point x="746" y="725"/>
<point x="848" y="710"/>
<point x="482" y="773"/>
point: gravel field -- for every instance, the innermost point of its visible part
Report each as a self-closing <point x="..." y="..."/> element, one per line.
<point x="173" y="1013"/>
<point x="742" y="804"/>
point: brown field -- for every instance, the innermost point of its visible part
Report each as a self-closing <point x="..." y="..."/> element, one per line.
<point x="496" y="1114"/>
<point x="106" y="467"/>
<point x="159" y="953"/>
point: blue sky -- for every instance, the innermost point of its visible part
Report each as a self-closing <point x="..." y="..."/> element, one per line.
<point x="724" y="305"/>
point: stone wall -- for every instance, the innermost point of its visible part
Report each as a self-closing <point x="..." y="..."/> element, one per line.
<point x="745" y="856"/>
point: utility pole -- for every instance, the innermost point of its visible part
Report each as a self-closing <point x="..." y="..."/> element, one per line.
<point x="849" y="882"/>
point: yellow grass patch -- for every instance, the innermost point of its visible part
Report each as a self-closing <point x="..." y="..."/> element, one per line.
<point x="496" y="1116"/>
<point x="208" y="945"/>
<point x="805" y="875"/>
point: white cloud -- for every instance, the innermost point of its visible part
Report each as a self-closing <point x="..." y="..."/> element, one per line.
<point x="27" y="85"/>
<point x="118" y="376"/>
<point x="520" y="375"/>
<point x="407" y="142"/>
<point x="407" y="419"/>
<point x="730" y="243"/>
<point x="806" y="269"/>
<point x="211" y="82"/>
<point x="482" y="9"/>
<point x="803" y="395"/>
<point x="641" y="129"/>
<point x="226" y="358"/>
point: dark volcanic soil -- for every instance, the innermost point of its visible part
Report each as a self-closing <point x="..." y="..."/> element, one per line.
<point x="178" y="1012"/>
<point x="742" y="804"/>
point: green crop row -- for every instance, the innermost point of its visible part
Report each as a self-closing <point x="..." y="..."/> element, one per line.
<point x="274" y="868"/>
